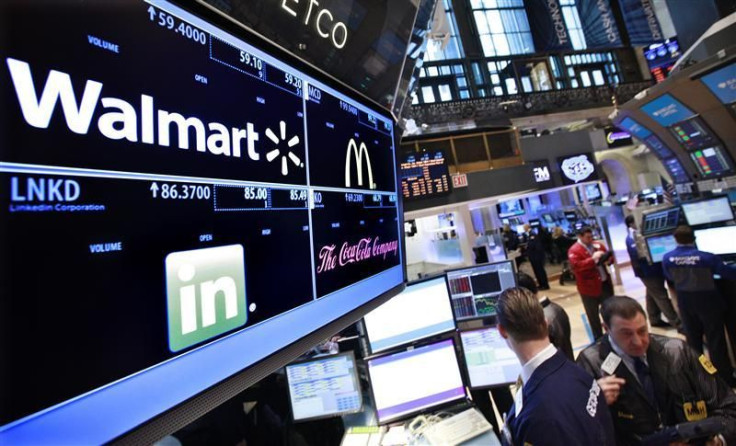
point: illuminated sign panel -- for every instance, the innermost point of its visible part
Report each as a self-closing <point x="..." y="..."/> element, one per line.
<point x="722" y="83"/>
<point x="577" y="168"/>
<point x="666" y="110"/>
<point x="171" y="189"/>
<point x="424" y="174"/>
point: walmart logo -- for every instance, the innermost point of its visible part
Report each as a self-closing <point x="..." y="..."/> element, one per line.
<point x="205" y="292"/>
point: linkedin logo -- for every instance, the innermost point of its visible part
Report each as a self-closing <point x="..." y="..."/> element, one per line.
<point x="205" y="293"/>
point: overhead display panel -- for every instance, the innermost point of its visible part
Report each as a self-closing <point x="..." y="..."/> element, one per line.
<point x="424" y="174"/>
<point x="712" y="161"/>
<point x="677" y="172"/>
<point x="693" y="133"/>
<point x="172" y="197"/>
<point x="646" y="136"/>
<point x="361" y="42"/>
<point x="657" y="146"/>
<point x="666" y="110"/>
<point x="634" y="128"/>
<point x="722" y="83"/>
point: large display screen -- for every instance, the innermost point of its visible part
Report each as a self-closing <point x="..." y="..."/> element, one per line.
<point x="666" y="110"/>
<point x="424" y="174"/>
<point x="661" y="57"/>
<point x="170" y="196"/>
<point x="634" y="128"/>
<point x="710" y="210"/>
<point x="488" y="359"/>
<point x="577" y="168"/>
<point x="659" y="245"/>
<point x="677" y="172"/>
<point x="722" y="83"/>
<point x="420" y="311"/>
<point x="324" y="387"/>
<point x="412" y="381"/>
<point x="693" y="133"/>
<point x="711" y="161"/>
<point x="657" y="146"/>
<point x="475" y="290"/>
<point x="719" y="241"/>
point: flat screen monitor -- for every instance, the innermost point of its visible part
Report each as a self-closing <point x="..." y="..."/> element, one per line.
<point x="576" y="169"/>
<point x="661" y="57"/>
<point x="548" y="218"/>
<point x="722" y="83"/>
<point x="414" y="381"/>
<point x="659" y="245"/>
<point x="534" y="223"/>
<point x="324" y="387"/>
<point x="475" y="290"/>
<point x="488" y="359"/>
<point x="510" y="208"/>
<point x="660" y="221"/>
<point x="634" y="128"/>
<point x="677" y="172"/>
<point x="693" y="134"/>
<point x="422" y="310"/>
<point x="657" y="146"/>
<point x="571" y="216"/>
<point x="593" y="192"/>
<point x="710" y="210"/>
<point x="712" y="161"/>
<point x="719" y="241"/>
<point x="178" y="204"/>
<point x="424" y="174"/>
<point x="666" y="110"/>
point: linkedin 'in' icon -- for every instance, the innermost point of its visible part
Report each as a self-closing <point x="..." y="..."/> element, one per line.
<point x="205" y="293"/>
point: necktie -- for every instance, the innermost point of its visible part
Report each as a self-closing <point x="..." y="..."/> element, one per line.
<point x="645" y="379"/>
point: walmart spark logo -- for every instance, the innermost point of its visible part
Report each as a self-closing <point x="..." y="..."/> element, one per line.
<point x="205" y="291"/>
<point x="273" y="154"/>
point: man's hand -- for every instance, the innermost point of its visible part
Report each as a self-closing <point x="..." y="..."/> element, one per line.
<point x="611" y="387"/>
<point x="597" y="256"/>
<point x="715" y="441"/>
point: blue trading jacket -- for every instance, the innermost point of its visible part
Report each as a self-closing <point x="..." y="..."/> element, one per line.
<point x="692" y="271"/>
<point x="641" y="266"/>
<point x="562" y="405"/>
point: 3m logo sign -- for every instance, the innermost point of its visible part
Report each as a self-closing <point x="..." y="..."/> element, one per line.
<point x="205" y="292"/>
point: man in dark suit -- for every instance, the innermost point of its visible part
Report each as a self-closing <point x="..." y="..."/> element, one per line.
<point x="652" y="381"/>
<point x="557" y="402"/>
<point x="558" y="322"/>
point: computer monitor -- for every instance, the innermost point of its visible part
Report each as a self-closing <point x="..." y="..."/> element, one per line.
<point x="707" y="211"/>
<point x="693" y="133"/>
<point x="534" y="222"/>
<point x="475" y="290"/>
<point x="660" y="221"/>
<point x="548" y="218"/>
<point x="659" y="245"/>
<point x="571" y="215"/>
<point x="422" y="310"/>
<point x="720" y="241"/>
<point x="324" y="387"/>
<point x="184" y="206"/>
<point x="488" y="359"/>
<point x="712" y="161"/>
<point x="510" y="208"/>
<point x="414" y="381"/>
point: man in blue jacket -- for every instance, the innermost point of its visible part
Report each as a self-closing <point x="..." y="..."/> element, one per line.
<point x="657" y="299"/>
<point x="557" y="403"/>
<point x="701" y="306"/>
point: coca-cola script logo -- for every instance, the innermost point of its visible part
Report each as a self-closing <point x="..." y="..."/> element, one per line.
<point x="366" y="248"/>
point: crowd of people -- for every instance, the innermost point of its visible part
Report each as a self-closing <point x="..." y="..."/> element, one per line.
<point x="629" y="387"/>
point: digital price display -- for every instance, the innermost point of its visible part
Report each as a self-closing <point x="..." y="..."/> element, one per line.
<point x="168" y="188"/>
<point x="677" y="172"/>
<point x="424" y="174"/>
<point x="712" y="161"/>
<point x="657" y="146"/>
<point x="693" y="134"/>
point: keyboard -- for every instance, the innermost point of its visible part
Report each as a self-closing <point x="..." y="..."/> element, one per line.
<point x="458" y="428"/>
